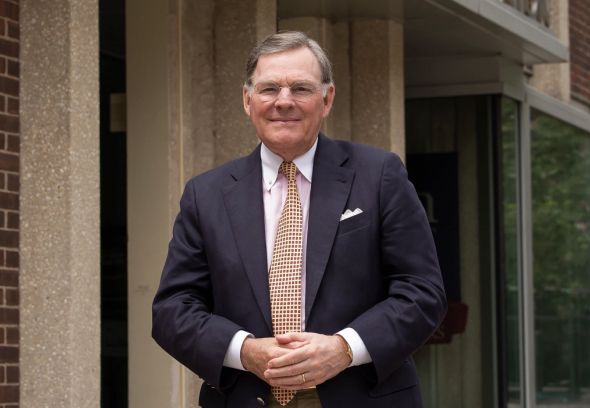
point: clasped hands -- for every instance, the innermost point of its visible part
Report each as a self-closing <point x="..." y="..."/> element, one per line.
<point x="281" y="360"/>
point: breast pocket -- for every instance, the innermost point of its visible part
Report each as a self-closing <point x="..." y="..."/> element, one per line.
<point x="354" y="223"/>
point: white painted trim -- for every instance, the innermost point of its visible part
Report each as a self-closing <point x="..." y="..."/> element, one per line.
<point x="558" y="109"/>
<point x="486" y="88"/>
<point x="527" y="327"/>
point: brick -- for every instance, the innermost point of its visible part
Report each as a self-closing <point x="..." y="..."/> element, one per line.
<point x="12" y="336"/>
<point x="9" y="393"/>
<point x="9" y="162"/>
<point x="8" y="278"/>
<point x="8" y="86"/>
<point x="2" y="341"/>
<point x="12" y="259"/>
<point x="13" y="144"/>
<point x="2" y="183"/>
<point x="9" y="123"/>
<point x="2" y="26"/>
<point x="13" y="30"/>
<point x="12" y="297"/>
<point x="13" y="106"/>
<point x="8" y="316"/>
<point x="2" y="103"/>
<point x="2" y="141"/>
<point x="12" y="220"/>
<point x="8" y="201"/>
<point x="13" y="68"/>
<point x="9" y="48"/>
<point x="13" y="182"/>
<point x="9" y="355"/>
<point x="2" y="256"/>
<point x="2" y="376"/>
<point x="9" y="10"/>
<point x="9" y="239"/>
<point x="12" y="374"/>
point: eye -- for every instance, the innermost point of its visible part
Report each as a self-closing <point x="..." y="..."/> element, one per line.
<point x="303" y="88"/>
<point x="266" y="88"/>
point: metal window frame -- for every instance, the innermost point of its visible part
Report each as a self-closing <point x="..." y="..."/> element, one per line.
<point x="533" y="99"/>
<point x="528" y="98"/>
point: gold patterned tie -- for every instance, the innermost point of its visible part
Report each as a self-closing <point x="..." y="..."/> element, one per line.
<point x="285" y="269"/>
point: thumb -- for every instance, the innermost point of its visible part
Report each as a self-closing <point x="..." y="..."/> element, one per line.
<point x="289" y="337"/>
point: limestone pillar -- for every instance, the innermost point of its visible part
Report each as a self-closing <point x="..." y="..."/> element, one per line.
<point x="60" y="235"/>
<point x="334" y="38"/>
<point x="191" y="130"/>
<point x="554" y="79"/>
<point x="377" y="84"/>
<point x="239" y="26"/>
<point x="185" y="116"/>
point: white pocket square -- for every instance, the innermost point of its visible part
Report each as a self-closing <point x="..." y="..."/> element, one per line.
<point x="348" y="214"/>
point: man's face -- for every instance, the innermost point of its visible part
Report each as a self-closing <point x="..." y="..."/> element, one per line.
<point x="288" y="126"/>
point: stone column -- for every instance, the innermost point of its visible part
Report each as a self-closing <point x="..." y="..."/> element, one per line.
<point x="60" y="235"/>
<point x="554" y="79"/>
<point x="191" y="130"/>
<point x="239" y="26"/>
<point x="377" y="84"/>
<point x="334" y="38"/>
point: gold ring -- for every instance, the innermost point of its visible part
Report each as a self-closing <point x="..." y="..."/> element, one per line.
<point x="303" y="376"/>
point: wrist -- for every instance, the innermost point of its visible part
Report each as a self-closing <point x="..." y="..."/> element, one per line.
<point x="244" y="352"/>
<point x="345" y="348"/>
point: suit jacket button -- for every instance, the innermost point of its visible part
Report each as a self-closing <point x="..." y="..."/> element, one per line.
<point x="260" y="401"/>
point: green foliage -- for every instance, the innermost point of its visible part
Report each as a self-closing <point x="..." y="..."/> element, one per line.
<point x="561" y="243"/>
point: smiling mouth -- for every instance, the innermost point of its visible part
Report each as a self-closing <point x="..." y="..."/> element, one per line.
<point x="284" y="120"/>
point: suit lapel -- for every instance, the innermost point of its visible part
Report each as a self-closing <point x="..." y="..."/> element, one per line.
<point x="245" y="209"/>
<point x="329" y="193"/>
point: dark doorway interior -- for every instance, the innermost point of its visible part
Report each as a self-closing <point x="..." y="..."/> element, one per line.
<point x="113" y="205"/>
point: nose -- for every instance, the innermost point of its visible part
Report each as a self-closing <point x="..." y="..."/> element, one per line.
<point x="285" y="99"/>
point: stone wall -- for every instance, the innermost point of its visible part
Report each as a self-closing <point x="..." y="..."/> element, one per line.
<point x="9" y="203"/>
<point x="579" y="12"/>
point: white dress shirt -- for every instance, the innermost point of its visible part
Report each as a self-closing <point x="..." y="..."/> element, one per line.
<point x="274" y="190"/>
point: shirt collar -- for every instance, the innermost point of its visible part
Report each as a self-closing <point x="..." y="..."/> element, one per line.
<point x="271" y="163"/>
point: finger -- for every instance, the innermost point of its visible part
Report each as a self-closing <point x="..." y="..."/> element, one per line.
<point x="291" y="358"/>
<point x="287" y="371"/>
<point x="294" y="344"/>
<point x="289" y="381"/>
<point x="292" y="336"/>
<point x="297" y="387"/>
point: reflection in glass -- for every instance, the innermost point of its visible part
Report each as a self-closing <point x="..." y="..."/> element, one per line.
<point x="460" y="372"/>
<point x="510" y="249"/>
<point x="561" y="245"/>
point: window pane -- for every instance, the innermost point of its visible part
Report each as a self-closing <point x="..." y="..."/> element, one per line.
<point x="561" y="245"/>
<point x="447" y="155"/>
<point x="510" y="249"/>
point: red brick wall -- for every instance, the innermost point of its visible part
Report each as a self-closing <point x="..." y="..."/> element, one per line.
<point x="9" y="203"/>
<point x="579" y="14"/>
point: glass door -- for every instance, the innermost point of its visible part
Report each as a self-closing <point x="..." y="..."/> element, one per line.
<point x="449" y="160"/>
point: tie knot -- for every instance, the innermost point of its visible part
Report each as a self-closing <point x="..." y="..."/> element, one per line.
<point x="289" y="169"/>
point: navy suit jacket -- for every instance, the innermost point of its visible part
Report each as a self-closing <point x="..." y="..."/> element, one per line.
<point x="376" y="272"/>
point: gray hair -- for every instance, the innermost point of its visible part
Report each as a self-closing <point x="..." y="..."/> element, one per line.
<point x="286" y="41"/>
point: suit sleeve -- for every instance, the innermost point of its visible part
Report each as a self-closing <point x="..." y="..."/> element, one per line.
<point x="395" y="328"/>
<point x="182" y="319"/>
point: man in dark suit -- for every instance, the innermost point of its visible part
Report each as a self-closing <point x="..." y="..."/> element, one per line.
<point x="304" y="273"/>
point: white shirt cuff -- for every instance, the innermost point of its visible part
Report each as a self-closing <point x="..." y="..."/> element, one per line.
<point x="232" y="356"/>
<point x="360" y="353"/>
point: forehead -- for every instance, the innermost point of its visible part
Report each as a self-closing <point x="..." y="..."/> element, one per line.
<point x="288" y="66"/>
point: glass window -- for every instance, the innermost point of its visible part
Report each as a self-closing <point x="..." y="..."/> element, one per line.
<point x="448" y="161"/>
<point x="561" y="249"/>
<point x="509" y="251"/>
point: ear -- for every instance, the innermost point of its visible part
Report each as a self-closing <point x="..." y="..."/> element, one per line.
<point x="329" y="99"/>
<point x="246" y="100"/>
